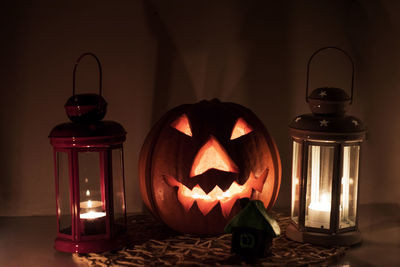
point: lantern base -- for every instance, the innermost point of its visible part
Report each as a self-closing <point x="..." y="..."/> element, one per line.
<point x="342" y="239"/>
<point x="90" y="246"/>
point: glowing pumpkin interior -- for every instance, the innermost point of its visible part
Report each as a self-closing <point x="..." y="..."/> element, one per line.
<point x="182" y="125"/>
<point x="227" y="199"/>
<point x="241" y="128"/>
<point x="213" y="156"/>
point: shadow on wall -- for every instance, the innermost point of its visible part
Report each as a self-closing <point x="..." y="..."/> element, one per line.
<point x="373" y="29"/>
<point x="168" y="62"/>
<point x="266" y="80"/>
<point x="11" y="93"/>
<point x="236" y="51"/>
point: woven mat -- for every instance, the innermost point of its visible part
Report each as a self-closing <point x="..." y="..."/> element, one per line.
<point x="154" y="245"/>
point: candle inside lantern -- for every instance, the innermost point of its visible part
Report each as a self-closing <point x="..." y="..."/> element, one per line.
<point x="91" y="210"/>
<point x="92" y="217"/>
<point x="319" y="212"/>
<point x="319" y="209"/>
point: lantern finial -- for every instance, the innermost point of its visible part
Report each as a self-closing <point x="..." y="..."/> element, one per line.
<point x="86" y="107"/>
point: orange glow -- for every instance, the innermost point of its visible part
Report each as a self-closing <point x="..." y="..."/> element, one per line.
<point x="227" y="199"/>
<point x="212" y="156"/>
<point x="182" y="125"/>
<point x="241" y="128"/>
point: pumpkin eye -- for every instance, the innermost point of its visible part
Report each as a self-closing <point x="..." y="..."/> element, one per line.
<point x="241" y="128"/>
<point x="182" y="125"/>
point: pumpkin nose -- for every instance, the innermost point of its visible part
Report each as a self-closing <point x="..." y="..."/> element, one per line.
<point x="212" y="156"/>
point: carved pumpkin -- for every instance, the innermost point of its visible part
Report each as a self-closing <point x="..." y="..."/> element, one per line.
<point x="200" y="159"/>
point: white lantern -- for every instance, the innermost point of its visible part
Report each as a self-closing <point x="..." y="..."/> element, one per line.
<point x="325" y="169"/>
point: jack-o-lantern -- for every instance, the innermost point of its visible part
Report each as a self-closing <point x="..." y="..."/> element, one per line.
<point x="200" y="159"/>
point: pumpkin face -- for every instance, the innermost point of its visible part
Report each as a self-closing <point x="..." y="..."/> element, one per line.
<point x="200" y="159"/>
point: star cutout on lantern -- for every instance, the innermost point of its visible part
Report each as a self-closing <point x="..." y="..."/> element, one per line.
<point x="355" y="122"/>
<point x="297" y="119"/>
<point x="323" y="123"/>
<point x="322" y="94"/>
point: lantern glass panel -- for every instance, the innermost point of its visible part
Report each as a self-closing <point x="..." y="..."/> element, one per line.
<point x="64" y="203"/>
<point x="319" y="186"/>
<point x="91" y="194"/>
<point x="118" y="190"/>
<point x="296" y="177"/>
<point x="349" y="182"/>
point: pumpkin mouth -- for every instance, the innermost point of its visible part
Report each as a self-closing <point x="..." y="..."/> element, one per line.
<point x="207" y="201"/>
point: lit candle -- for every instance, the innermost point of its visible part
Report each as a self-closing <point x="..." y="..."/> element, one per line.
<point x="90" y="204"/>
<point x="319" y="212"/>
<point x="90" y="210"/>
<point x="92" y="217"/>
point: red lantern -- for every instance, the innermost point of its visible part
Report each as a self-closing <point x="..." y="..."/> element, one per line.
<point x="200" y="159"/>
<point x="89" y="174"/>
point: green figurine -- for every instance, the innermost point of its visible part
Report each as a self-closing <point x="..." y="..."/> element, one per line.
<point x="252" y="231"/>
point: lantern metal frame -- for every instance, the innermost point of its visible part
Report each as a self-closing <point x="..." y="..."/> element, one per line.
<point x="327" y="126"/>
<point x="87" y="133"/>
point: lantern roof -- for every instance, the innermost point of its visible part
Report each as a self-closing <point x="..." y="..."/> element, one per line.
<point x="97" y="133"/>
<point x="93" y="129"/>
<point x="320" y="126"/>
<point x="328" y="106"/>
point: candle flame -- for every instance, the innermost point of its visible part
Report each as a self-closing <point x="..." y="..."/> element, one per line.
<point x="323" y="205"/>
<point x="87" y="193"/>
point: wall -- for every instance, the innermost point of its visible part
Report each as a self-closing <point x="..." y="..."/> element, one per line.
<point x="158" y="54"/>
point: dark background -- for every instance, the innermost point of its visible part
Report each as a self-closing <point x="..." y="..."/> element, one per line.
<point x="159" y="54"/>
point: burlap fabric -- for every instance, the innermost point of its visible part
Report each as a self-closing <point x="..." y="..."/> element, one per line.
<point x="156" y="245"/>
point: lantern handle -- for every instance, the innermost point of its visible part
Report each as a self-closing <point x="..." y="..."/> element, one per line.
<point x="325" y="48"/>
<point x="100" y="71"/>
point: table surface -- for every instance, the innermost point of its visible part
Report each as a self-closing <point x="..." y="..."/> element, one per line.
<point x="28" y="241"/>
